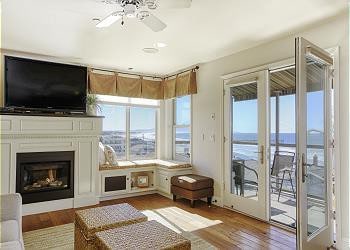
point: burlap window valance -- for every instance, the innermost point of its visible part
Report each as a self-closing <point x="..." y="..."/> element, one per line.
<point x="128" y="87"/>
<point x="152" y="89"/>
<point x="102" y="84"/>
<point x="140" y="87"/>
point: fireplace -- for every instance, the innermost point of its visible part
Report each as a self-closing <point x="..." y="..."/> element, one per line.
<point x="45" y="176"/>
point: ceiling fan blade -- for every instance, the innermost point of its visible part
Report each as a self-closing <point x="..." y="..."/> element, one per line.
<point x="154" y="23"/>
<point x="176" y="4"/>
<point x="109" y="20"/>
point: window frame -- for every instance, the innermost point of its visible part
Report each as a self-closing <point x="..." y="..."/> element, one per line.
<point x="128" y="107"/>
<point x="176" y="126"/>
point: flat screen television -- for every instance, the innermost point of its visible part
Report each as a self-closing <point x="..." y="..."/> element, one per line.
<point x="44" y="86"/>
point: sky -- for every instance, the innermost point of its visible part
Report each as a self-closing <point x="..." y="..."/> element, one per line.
<point x="245" y="114"/>
<point x="140" y="118"/>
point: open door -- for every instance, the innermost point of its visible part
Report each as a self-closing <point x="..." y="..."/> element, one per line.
<point x="314" y="145"/>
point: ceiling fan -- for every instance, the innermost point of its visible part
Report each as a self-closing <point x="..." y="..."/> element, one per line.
<point x="140" y="9"/>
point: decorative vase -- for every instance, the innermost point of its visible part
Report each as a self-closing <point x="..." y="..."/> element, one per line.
<point x="91" y="110"/>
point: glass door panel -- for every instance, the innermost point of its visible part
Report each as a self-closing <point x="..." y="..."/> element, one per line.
<point x="313" y="81"/>
<point x="245" y="151"/>
<point x="316" y="153"/>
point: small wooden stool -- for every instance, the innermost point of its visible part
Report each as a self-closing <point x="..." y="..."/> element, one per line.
<point x="192" y="187"/>
<point x="89" y="221"/>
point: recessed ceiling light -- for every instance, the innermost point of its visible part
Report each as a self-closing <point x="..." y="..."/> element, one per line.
<point x="150" y="50"/>
<point x="160" y="45"/>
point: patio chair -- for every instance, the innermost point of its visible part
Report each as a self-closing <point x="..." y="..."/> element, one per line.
<point x="283" y="162"/>
<point x="239" y="168"/>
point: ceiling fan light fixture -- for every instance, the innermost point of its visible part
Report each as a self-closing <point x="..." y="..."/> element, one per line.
<point x="130" y="10"/>
<point x="108" y="20"/>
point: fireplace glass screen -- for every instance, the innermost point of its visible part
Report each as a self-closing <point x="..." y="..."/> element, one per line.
<point x="45" y="176"/>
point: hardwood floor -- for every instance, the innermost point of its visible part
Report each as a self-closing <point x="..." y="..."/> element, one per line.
<point x="220" y="227"/>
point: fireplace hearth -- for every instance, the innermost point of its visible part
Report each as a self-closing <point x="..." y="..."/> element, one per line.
<point x="45" y="176"/>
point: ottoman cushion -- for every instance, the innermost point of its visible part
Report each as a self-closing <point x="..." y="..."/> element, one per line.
<point x="144" y="235"/>
<point x="192" y="182"/>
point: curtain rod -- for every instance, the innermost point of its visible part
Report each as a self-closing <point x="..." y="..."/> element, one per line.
<point x="158" y="77"/>
<point x="194" y="69"/>
<point x="125" y="73"/>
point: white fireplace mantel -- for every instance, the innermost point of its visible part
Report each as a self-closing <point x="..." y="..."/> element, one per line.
<point x="25" y="133"/>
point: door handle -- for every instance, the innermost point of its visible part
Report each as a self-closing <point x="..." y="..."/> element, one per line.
<point x="303" y="168"/>
<point x="261" y="152"/>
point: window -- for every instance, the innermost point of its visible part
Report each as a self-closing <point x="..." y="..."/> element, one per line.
<point x="142" y="133"/>
<point x="114" y="128"/>
<point x="130" y="127"/>
<point x="182" y="129"/>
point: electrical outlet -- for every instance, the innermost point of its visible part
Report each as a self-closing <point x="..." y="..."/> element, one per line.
<point x="212" y="138"/>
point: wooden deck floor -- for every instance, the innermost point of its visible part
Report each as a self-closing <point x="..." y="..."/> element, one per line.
<point x="220" y="227"/>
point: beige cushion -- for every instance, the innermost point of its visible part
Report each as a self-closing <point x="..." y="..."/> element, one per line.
<point x="11" y="245"/>
<point x="9" y="231"/>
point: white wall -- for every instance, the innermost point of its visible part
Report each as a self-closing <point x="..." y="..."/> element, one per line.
<point x="207" y="154"/>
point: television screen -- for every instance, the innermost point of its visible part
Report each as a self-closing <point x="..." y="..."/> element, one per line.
<point x="31" y="84"/>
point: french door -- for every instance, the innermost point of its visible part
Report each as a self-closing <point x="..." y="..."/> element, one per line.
<point x="314" y="141"/>
<point x="246" y="136"/>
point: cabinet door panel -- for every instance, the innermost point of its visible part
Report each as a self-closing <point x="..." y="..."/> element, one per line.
<point x="163" y="183"/>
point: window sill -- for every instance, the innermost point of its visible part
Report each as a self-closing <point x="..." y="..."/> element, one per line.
<point x="146" y="163"/>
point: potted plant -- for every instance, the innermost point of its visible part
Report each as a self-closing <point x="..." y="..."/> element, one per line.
<point x="92" y="104"/>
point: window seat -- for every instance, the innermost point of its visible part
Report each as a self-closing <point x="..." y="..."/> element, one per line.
<point x="146" y="163"/>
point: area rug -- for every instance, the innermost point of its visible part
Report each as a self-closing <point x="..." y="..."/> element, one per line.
<point x="62" y="237"/>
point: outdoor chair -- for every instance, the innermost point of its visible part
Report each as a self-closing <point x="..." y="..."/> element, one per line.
<point x="239" y="168"/>
<point x="283" y="163"/>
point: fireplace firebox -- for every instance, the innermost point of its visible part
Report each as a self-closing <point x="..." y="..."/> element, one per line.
<point x="45" y="176"/>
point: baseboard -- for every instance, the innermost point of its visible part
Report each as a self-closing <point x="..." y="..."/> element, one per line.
<point x="84" y="201"/>
<point x="215" y="201"/>
<point x="115" y="197"/>
<point x="344" y="244"/>
<point x="47" y="206"/>
<point x="169" y="196"/>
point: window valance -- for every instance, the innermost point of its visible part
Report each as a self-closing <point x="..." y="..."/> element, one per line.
<point x="112" y="83"/>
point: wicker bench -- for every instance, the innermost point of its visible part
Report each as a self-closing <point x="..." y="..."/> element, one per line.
<point x="145" y="235"/>
<point x="90" y="221"/>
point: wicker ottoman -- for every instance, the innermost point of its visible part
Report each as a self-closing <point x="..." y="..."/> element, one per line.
<point x="192" y="187"/>
<point x="89" y="221"/>
<point x="145" y="235"/>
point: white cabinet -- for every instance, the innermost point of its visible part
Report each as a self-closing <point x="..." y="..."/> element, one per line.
<point x="116" y="182"/>
<point x="164" y="178"/>
<point x="163" y="182"/>
<point x="123" y="182"/>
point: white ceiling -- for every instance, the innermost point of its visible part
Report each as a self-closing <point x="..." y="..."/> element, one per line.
<point x="208" y="30"/>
